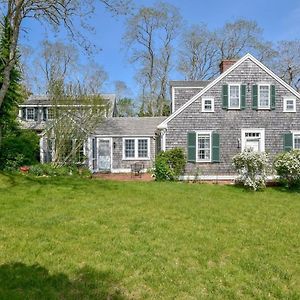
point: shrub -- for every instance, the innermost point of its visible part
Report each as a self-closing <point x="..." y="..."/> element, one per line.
<point x="252" y="168"/>
<point x="169" y="165"/>
<point x="52" y="170"/>
<point x="18" y="149"/>
<point x="287" y="166"/>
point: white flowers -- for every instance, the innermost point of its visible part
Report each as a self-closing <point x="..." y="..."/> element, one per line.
<point x="287" y="166"/>
<point x="252" y="168"/>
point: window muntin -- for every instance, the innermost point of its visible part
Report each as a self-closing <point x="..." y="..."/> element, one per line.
<point x="50" y="113"/>
<point x="136" y="148"/>
<point x="129" y="148"/>
<point x="30" y="114"/>
<point x="208" y="105"/>
<point x="264" y="96"/>
<point x="289" y="105"/>
<point x="234" y="96"/>
<point x="204" y="147"/>
<point x="142" y="148"/>
<point x="297" y="141"/>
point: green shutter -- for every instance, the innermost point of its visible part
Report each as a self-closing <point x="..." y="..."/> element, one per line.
<point x="243" y="96"/>
<point x="288" y="142"/>
<point x="191" y="139"/>
<point x="225" y="96"/>
<point x="215" y="147"/>
<point x="254" y="97"/>
<point x="273" y="97"/>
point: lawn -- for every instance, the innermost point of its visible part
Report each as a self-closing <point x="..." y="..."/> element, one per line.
<point x="72" y="238"/>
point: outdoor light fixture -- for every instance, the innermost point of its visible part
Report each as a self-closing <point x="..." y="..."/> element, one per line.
<point x="238" y="143"/>
<point x="248" y="87"/>
<point x="114" y="145"/>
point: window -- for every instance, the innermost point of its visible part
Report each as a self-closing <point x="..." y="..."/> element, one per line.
<point x="204" y="148"/>
<point x="129" y="148"/>
<point x="253" y="139"/>
<point x="234" y="96"/>
<point x="264" y="96"/>
<point x="289" y="105"/>
<point x="30" y="114"/>
<point x="208" y="105"/>
<point x="297" y="141"/>
<point x="136" y="148"/>
<point x="50" y="112"/>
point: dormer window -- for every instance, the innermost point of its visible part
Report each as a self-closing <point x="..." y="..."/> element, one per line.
<point x="264" y="96"/>
<point x="234" y="96"/>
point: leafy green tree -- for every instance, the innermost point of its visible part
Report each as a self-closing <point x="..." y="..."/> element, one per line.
<point x="126" y="107"/>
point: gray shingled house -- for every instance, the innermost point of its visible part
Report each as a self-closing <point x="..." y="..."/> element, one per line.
<point x="247" y="106"/>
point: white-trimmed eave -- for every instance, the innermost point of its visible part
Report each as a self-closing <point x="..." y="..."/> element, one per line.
<point x="164" y="124"/>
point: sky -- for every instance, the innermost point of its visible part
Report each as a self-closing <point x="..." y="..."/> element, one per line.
<point x="279" y="19"/>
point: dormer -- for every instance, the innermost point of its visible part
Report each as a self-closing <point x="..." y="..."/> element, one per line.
<point x="183" y="91"/>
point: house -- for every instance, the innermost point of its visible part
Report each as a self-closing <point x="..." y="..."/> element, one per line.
<point x="38" y="110"/>
<point x="246" y="106"/>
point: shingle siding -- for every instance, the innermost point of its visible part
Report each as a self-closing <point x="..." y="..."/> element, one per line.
<point x="229" y="123"/>
<point x="119" y="163"/>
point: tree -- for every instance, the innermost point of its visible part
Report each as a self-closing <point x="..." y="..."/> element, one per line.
<point x="76" y="113"/>
<point x="56" y="60"/>
<point x="202" y="50"/>
<point x="126" y="107"/>
<point x="55" y="12"/>
<point x="13" y="97"/>
<point x="150" y="34"/>
<point x="287" y="62"/>
<point x="198" y="59"/>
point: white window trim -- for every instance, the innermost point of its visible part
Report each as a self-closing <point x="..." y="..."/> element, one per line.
<point x="234" y="84"/>
<point x="136" y="147"/>
<point x="262" y="136"/>
<point x="285" y="99"/>
<point x="258" y="96"/>
<point x="212" y="104"/>
<point x="197" y="146"/>
<point x="295" y="132"/>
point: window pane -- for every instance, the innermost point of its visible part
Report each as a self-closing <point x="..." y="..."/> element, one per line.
<point x="203" y="147"/>
<point x="290" y="105"/>
<point x="208" y="105"/>
<point x="129" y="148"/>
<point x="297" y="141"/>
<point x="234" y="101"/>
<point x="264" y="92"/>
<point x="142" y="148"/>
<point x="30" y="113"/>
<point x="50" y="113"/>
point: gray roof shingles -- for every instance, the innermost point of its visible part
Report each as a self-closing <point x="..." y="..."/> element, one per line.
<point x="132" y="126"/>
<point x="189" y="83"/>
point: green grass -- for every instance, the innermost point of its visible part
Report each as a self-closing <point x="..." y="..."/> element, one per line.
<point x="72" y="238"/>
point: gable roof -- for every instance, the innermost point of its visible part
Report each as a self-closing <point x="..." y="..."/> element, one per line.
<point x="129" y="126"/>
<point x="214" y="82"/>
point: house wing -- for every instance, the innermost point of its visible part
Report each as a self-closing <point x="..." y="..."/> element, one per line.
<point x="164" y="124"/>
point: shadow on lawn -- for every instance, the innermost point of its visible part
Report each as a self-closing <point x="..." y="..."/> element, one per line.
<point x="20" y="281"/>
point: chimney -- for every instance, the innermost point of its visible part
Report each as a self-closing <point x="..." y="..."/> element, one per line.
<point x="226" y="64"/>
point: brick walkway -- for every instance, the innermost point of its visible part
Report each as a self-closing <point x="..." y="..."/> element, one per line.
<point x="123" y="177"/>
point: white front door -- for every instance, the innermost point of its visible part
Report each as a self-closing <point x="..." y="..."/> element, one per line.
<point x="104" y="154"/>
<point x="253" y="144"/>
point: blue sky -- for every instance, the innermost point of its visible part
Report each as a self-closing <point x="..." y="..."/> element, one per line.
<point x="279" y="19"/>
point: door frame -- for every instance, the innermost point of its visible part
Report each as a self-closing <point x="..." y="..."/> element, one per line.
<point x="261" y="131"/>
<point x="98" y="138"/>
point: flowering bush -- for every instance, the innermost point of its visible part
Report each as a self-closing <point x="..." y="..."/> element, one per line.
<point x="252" y="168"/>
<point x="287" y="165"/>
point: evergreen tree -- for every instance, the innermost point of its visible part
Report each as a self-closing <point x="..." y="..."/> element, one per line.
<point x="9" y="108"/>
